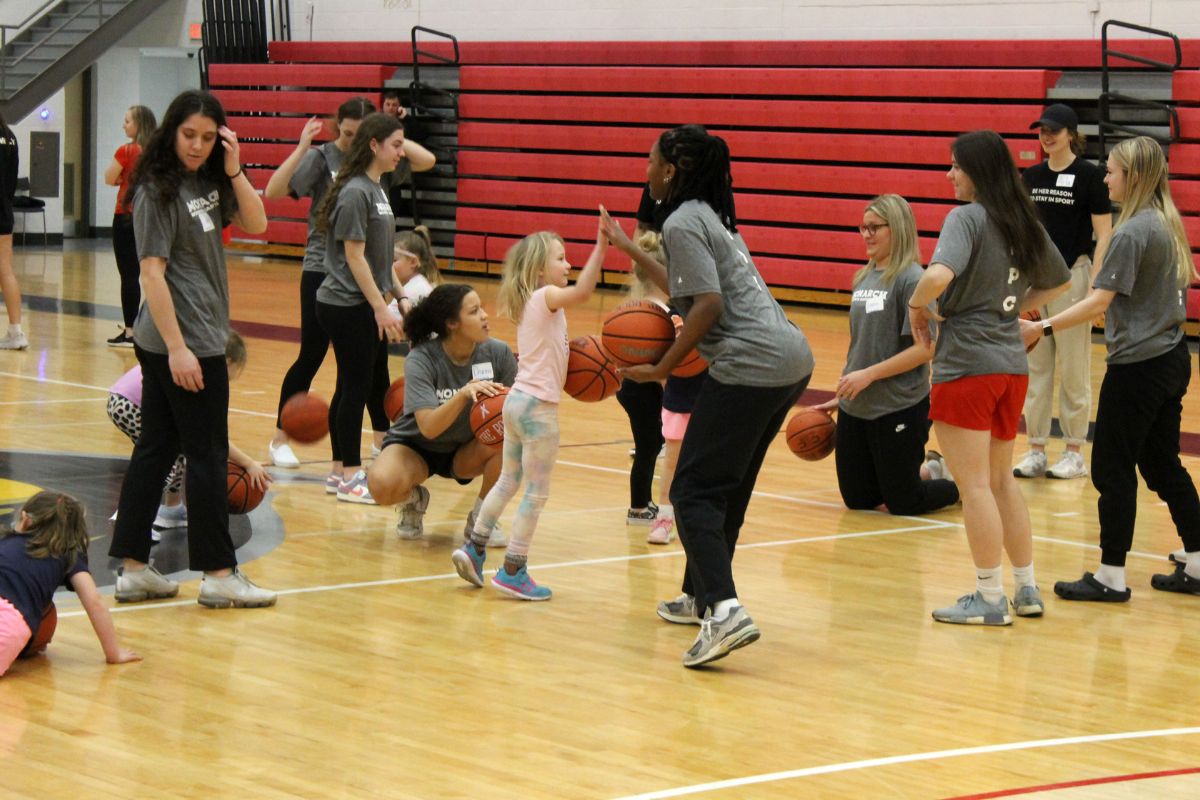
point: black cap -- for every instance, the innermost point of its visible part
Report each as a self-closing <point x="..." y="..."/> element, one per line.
<point x="1057" y="117"/>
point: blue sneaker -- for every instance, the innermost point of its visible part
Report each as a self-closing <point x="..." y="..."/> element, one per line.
<point x="468" y="562"/>
<point x="520" y="586"/>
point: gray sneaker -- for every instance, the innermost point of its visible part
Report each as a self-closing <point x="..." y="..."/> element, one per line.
<point x="1070" y="466"/>
<point x="682" y="610"/>
<point x="720" y="637"/>
<point x="412" y="515"/>
<point x="936" y="464"/>
<point x="1033" y="465"/>
<point x="14" y="341"/>
<point x="495" y="539"/>
<point x="233" y="591"/>
<point x="1027" y="602"/>
<point x="144" y="584"/>
<point x="972" y="609"/>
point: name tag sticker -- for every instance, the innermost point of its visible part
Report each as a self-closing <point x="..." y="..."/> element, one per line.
<point x="482" y="372"/>
<point x="1065" y="181"/>
<point x="874" y="304"/>
<point x="205" y="221"/>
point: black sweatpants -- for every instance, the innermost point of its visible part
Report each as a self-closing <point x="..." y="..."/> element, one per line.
<point x="356" y="347"/>
<point x="643" y="404"/>
<point x="1137" y="426"/>
<point x="727" y="438"/>
<point x="175" y="420"/>
<point x="879" y="461"/>
<point x="314" y="344"/>
<point x="128" y="267"/>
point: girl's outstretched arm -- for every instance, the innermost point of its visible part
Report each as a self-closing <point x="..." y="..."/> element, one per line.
<point x="102" y="624"/>
<point x="585" y="284"/>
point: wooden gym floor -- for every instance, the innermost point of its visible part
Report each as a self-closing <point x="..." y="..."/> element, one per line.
<point x="381" y="674"/>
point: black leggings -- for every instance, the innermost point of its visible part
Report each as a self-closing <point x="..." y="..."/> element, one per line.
<point x="879" y="461"/>
<point x="358" y="351"/>
<point x="128" y="266"/>
<point x="314" y="344"/>
<point x="643" y="403"/>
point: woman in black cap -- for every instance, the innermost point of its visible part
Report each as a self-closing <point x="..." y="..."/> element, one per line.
<point x="1072" y="203"/>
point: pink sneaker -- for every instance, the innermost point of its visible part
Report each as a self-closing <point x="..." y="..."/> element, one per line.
<point x="662" y="532"/>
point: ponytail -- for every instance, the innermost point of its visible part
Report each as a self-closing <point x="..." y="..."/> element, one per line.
<point x="56" y="527"/>
<point x="431" y="317"/>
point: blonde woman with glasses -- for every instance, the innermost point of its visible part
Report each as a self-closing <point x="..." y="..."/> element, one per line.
<point x="1141" y="289"/>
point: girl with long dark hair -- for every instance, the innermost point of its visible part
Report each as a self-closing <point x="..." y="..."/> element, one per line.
<point x="993" y="261"/>
<point x="139" y="124"/>
<point x="759" y="363"/>
<point x="185" y="191"/>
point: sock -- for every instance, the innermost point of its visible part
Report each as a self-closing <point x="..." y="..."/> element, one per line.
<point x="513" y="562"/>
<point x="1112" y="577"/>
<point x="480" y="540"/>
<point x="14" y="329"/>
<point x="1193" y="565"/>
<point x="1180" y="555"/>
<point x="721" y="608"/>
<point x="1023" y="576"/>
<point x="988" y="584"/>
<point x="666" y="511"/>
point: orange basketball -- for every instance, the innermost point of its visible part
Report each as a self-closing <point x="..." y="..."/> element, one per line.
<point x="691" y="366"/>
<point x="305" y="417"/>
<point x="1032" y="316"/>
<point x="487" y="419"/>
<point x="243" y="497"/>
<point x="811" y="434"/>
<point x="393" y="401"/>
<point x="637" y="332"/>
<point x="591" y="376"/>
<point x="45" y="632"/>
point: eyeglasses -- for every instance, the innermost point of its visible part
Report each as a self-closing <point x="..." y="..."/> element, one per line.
<point x="870" y="230"/>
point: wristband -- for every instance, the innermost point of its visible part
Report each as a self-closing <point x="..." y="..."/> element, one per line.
<point x="234" y="176"/>
<point x="1047" y="328"/>
<point x="915" y="308"/>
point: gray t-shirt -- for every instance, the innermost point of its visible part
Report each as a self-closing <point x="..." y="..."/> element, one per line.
<point x="752" y="343"/>
<point x="362" y="213"/>
<point x="432" y="379"/>
<point x="186" y="231"/>
<point x="1145" y="319"/>
<point x="981" y="335"/>
<point x="879" y="329"/>
<point x="312" y="178"/>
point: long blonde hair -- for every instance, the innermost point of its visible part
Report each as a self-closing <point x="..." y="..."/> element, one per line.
<point x="897" y="213"/>
<point x="56" y="526"/>
<point x="641" y="286"/>
<point x="523" y="266"/>
<point x="419" y="242"/>
<point x="1146" y="186"/>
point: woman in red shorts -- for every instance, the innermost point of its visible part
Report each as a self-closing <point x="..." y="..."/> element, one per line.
<point x="993" y="260"/>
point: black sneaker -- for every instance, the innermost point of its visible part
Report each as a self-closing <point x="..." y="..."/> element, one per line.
<point x="122" y="339"/>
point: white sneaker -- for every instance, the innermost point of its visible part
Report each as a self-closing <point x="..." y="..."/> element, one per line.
<point x="282" y="456"/>
<point x="14" y="341"/>
<point x="1069" y="466"/>
<point x="935" y="463"/>
<point x="496" y="538"/>
<point x="171" y="517"/>
<point x="143" y="584"/>
<point x="1033" y="465"/>
<point x="412" y="515"/>
<point x="233" y="591"/>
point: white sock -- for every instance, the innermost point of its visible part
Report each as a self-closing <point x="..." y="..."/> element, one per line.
<point x="1180" y="556"/>
<point x="666" y="511"/>
<point x="1112" y="577"/>
<point x="1023" y="576"/>
<point x="988" y="583"/>
<point x="1193" y="565"/>
<point x="721" y="608"/>
<point x="14" y="329"/>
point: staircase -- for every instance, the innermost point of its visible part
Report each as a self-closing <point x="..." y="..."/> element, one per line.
<point x="39" y="54"/>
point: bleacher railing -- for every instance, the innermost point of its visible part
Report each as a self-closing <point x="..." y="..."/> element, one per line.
<point x="1109" y="98"/>
<point x="238" y="31"/>
<point x="419" y="91"/>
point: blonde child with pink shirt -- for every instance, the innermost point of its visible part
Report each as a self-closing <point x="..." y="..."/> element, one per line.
<point x="534" y="293"/>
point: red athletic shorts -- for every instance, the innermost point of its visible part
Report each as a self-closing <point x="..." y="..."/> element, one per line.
<point x="981" y="403"/>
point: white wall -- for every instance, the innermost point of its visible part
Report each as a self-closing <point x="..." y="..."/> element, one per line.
<point x="649" y="20"/>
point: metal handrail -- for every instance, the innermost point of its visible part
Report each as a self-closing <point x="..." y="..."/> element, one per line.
<point x="1106" y="96"/>
<point x="41" y="12"/>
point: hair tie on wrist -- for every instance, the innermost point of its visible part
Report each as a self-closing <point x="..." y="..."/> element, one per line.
<point x="233" y="177"/>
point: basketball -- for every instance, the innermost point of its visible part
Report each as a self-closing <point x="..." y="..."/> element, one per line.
<point x="638" y="332"/>
<point x="243" y="497"/>
<point x="691" y="366"/>
<point x="305" y="417"/>
<point x="487" y="419"/>
<point x="393" y="401"/>
<point x="1032" y="316"/>
<point x="45" y="632"/>
<point x="591" y="376"/>
<point x="811" y="434"/>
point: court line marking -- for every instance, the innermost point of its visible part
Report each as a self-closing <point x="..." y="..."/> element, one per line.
<point x="1051" y="787"/>
<point x="44" y="402"/>
<point x="118" y="609"/>
<point x="910" y="758"/>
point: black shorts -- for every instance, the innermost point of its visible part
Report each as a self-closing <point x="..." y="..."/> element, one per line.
<point x="438" y="463"/>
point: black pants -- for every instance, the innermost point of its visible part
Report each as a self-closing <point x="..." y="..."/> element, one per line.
<point x="128" y="266"/>
<point x="727" y="438"/>
<point x="643" y="403"/>
<point x="879" y="461"/>
<point x="314" y="344"/>
<point x="175" y="420"/>
<point x="1137" y="425"/>
<point x="358" y="352"/>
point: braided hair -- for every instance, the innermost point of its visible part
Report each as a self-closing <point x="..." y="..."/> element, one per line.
<point x="702" y="171"/>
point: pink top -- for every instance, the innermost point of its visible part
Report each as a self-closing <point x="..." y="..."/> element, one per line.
<point x="542" y="343"/>
<point x="129" y="386"/>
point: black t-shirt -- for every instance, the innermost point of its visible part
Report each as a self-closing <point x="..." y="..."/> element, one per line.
<point x="29" y="583"/>
<point x="1066" y="201"/>
<point x="651" y="214"/>
<point x="8" y="171"/>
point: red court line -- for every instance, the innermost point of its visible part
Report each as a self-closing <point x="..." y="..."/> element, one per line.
<point x="1049" y="787"/>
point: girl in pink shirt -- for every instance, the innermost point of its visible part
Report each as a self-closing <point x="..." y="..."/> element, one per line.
<point x="533" y="294"/>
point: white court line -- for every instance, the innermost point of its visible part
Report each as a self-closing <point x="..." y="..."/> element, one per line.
<point x="910" y="758"/>
<point x="541" y="567"/>
<point x="1066" y="514"/>
<point x="1090" y="545"/>
<point x="45" y="402"/>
